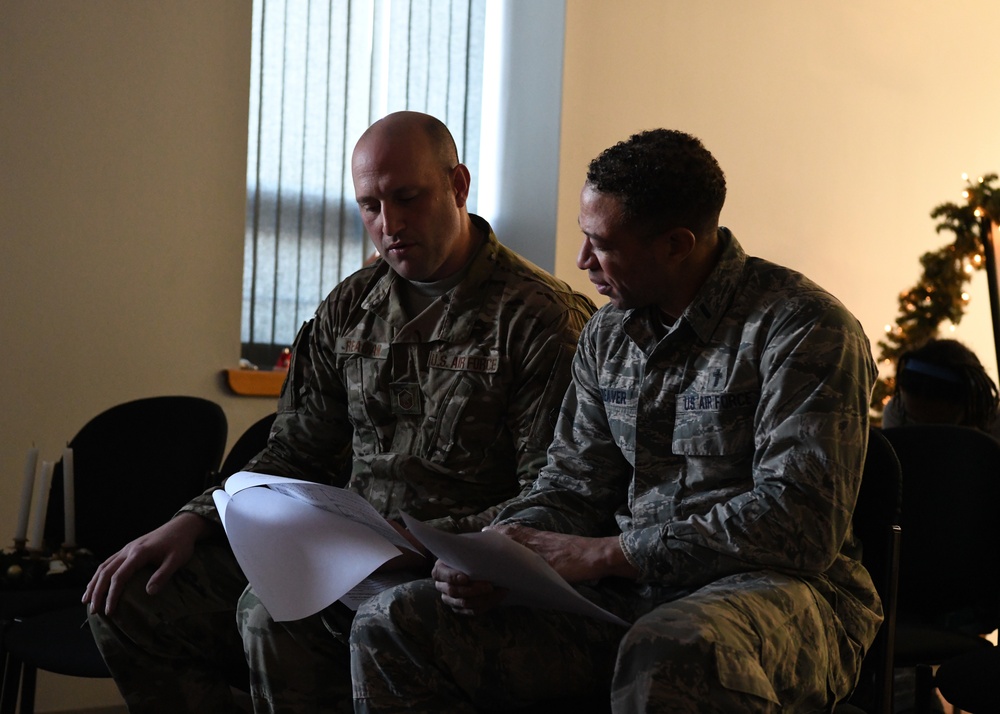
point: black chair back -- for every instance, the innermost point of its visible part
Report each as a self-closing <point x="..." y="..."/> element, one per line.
<point x="251" y="442"/>
<point x="950" y="565"/>
<point x="135" y="465"/>
<point x="949" y="573"/>
<point x="877" y="525"/>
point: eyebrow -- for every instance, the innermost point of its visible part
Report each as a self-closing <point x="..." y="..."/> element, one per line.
<point x="594" y="237"/>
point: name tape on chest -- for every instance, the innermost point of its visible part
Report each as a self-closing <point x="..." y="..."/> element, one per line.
<point x="714" y="402"/>
<point x="619" y="397"/>
<point x="350" y="346"/>
<point x="623" y="399"/>
<point x="487" y="364"/>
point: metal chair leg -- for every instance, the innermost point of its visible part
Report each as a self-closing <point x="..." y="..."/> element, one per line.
<point x="28" y="677"/>
<point x="924" y="689"/>
<point x="11" y="683"/>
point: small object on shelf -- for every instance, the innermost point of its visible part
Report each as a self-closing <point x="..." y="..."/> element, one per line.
<point x="256" y="382"/>
<point x="21" y="569"/>
<point x="284" y="359"/>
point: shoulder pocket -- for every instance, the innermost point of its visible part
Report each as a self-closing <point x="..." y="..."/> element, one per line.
<point x="298" y="370"/>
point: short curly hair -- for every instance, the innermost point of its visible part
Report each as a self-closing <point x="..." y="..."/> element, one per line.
<point x="663" y="177"/>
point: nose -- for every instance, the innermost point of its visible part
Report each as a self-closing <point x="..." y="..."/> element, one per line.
<point x="585" y="259"/>
<point x="392" y="220"/>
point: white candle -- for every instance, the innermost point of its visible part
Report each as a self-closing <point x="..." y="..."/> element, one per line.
<point x="27" y="486"/>
<point x="37" y="537"/>
<point x="69" y="499"/>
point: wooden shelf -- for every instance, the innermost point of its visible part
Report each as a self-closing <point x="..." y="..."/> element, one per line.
<point x="256" y="382"/>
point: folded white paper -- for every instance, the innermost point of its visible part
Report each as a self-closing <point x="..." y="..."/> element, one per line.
<point x="302" y="545"/>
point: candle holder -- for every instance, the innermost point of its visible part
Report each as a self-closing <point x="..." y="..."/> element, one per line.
<point x="45" y="569"/>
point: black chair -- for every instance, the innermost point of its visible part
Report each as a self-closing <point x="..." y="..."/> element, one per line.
<point x="877" y="526"/>
<point x="134" y="466"/>
<point x="949" y="577"/>
<point x="250" y="443"/>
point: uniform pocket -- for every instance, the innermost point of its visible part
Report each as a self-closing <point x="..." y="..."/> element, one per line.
<point x="714" y="424"/>
<point x="367" y="409"/>
<point x="445" y="427"/>
<point x="742" y="674"/>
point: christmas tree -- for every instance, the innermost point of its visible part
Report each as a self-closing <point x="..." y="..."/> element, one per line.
<point x="940" y="293"/>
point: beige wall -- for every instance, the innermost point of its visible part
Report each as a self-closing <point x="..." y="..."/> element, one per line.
<point x="122" y="191"/>
<point x="122" y="169"/>
<point x="840" y="125"/>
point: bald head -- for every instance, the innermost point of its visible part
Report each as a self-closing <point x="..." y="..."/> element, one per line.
<point x="411" y="128"/>
<point x="412" y="192"/>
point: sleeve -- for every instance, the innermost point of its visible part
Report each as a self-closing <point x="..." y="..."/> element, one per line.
<point x="541" y="357"/>
<point x="311" y="436"/>
<point x="585" y="479"/>
<point x="810" y="433"/>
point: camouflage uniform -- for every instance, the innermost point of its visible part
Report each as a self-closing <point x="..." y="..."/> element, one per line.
<point x="446" y="416"/>
<point x="727" y="455"/>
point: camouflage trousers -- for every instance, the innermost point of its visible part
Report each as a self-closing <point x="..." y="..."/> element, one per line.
<point x="753" y="642"/>
<point x="171" y="652"/>
<point x="179" y="650"/>
<point x="297" y="667"/>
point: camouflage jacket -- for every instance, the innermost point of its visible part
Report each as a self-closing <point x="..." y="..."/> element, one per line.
<point x="734" y="443"/>
<point x="444" y="416"/>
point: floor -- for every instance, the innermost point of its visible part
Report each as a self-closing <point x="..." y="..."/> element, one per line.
<point x="242" y="699"/>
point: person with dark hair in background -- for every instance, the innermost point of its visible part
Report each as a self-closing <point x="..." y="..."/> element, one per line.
<point x="942" y="382"/>
<point x="700" y="485"/>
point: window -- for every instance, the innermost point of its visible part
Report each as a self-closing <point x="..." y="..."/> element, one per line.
<point x="321" y="72"/>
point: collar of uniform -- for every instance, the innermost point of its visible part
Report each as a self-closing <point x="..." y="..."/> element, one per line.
<point x="708" y="306"/>
<point x="464" y="303"/>
<point x="454" y="313"/>
<point x="377" y="300"/>
<point x="715" y="296"/>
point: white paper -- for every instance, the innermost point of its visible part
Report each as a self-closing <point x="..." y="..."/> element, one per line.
<point x="304" y="545"/>
<point x="491" y="556"/>
<point x="40" y="504"/>
<point x="69" y="499"/>
<point x="301" y="558"/>
<point x="329" y="498"/>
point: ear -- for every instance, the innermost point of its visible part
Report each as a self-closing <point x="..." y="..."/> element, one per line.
<point x="461" y="181"/>
<point x="678" y="244"/>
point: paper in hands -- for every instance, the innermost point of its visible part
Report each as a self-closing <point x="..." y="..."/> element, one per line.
<point x="302" y="545"/>
<point x="488" y="555"/>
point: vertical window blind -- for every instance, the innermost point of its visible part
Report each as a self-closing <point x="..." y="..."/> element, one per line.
<point x="321" y="72"/>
